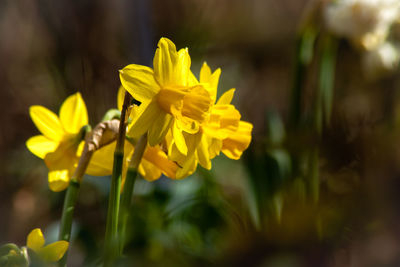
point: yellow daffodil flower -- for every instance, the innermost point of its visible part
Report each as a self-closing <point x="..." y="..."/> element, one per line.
<point x="169" y="100"/>
<point x="223" y="131"/>
<point x="60" y="143"/>
<point x="50" y="253"/>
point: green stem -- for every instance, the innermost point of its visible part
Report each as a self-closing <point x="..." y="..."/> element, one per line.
<point x="71" y="196"/>
<point x="129" y="186"/>
<point x="111" y="249"/>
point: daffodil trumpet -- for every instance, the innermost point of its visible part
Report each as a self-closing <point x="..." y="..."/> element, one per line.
<point x="111" y="248"/>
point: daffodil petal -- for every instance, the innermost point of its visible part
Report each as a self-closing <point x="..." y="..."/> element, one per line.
<point x="47" y="122"/>
<point x="188" y="168"/>
<point x="211" y="79"/>
<point x="179" y="139"/>
<point x="226" y="97"/>
<point x="102" y="161"/>
<point x="171" y="67"/>
<point x="215" y="147"/>
<point x="205" y="73"/>
<point x="159" y="128"/>
<point x="40" y="145"/>
<point x="54" y="251"/>
<point x="73" y="114"/>
<point x="192" y="80"/>
<point x="160" y="161"/>
<point x="58" y="180"/>
<point x="64" y="157"/>
<point x="203" y="154"/>
<point x="146" y="114"/>
<point x="163" y="61"/>
<point x="149" y="171"/>
<point x="120" y="97"/>
<point x="139" y="81"/>
<point x="35" y="239"/>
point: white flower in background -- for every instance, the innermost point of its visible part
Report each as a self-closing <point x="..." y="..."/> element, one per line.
<point x="381" y="60"/>
<point x="364" y="22"/>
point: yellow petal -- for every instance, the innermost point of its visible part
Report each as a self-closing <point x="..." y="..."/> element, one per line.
<point x="238" y="141"/>
<point x="171" y="67"/>
<point x="120" y="97"/>
<point x="203" y="154"/>
<point x="54" y="251"/>
<point x="40" y="145"/>
<point x="64" y="157"/>
<point x="58" y="180"/>
<point x="179" y="139"/>
<point x="159" y="128"/>
<point x="147" y="113"/>
<point x="35" y="239"/>
<point x="215" y="147"/>
<point x="188" y="168"/>
<point x="205" y="73"/>
<point x="192" y="80"/>
<point x="149" y="171"/>
<point x="226" y="97"/>
<point x="160" y="161"/>
<point x="73" y="114"/>
<point x="47" y="122"/>
<point x="102" y="161"/>
<point x="139" y="81"/>
<point x="211" y="79"/>
<point x="182" y="68"/>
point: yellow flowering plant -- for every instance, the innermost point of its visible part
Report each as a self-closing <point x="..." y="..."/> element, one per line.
<point x="48" y="253"/>
<point x="178" y="125"/>
<point x="60" y="144"/>
<point x="168" y="98"/>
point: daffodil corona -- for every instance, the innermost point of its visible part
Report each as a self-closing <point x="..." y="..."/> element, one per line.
<point x="60" y="144"/>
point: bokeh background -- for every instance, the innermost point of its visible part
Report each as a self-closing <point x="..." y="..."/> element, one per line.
<point x="277" y="206"/>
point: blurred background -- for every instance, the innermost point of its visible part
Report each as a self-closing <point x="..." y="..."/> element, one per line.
<point x="300" y="196"/>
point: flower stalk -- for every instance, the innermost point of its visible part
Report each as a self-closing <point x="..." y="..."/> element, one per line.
<point x="131" y="175"/>
<point x="71" y="196"/>
<point x="111" y="235"/>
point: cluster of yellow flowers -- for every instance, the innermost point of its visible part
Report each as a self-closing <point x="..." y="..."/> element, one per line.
<point x="185" y="123"/>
